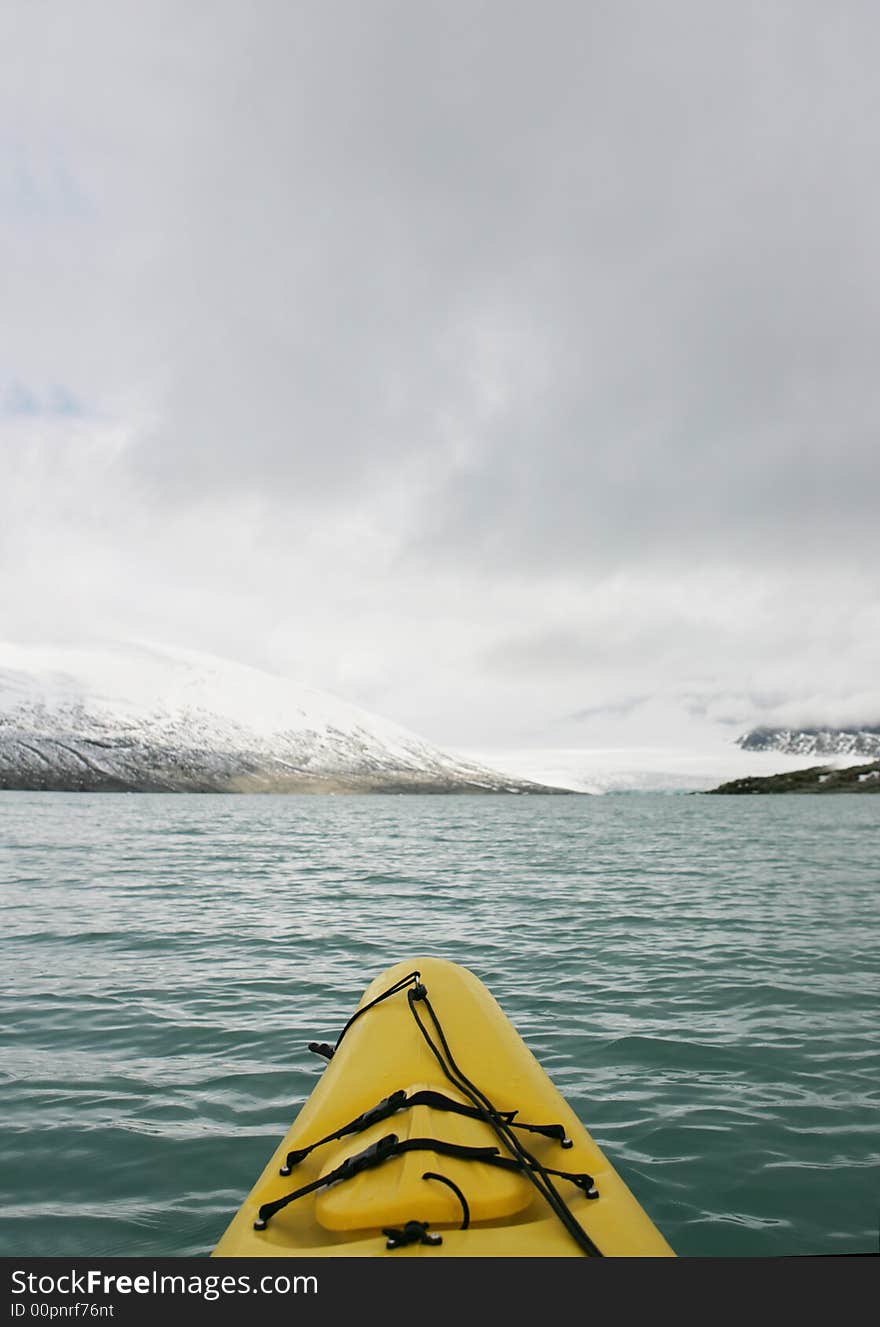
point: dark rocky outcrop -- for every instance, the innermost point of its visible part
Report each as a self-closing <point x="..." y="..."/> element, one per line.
<point x="816" y="779"/>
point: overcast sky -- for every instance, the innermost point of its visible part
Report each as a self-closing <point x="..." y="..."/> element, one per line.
<point x="510" y="369"/>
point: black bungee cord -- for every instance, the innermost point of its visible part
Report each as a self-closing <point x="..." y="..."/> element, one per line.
<point x="531" y="1167"/>
<point x="501" y="1122"/>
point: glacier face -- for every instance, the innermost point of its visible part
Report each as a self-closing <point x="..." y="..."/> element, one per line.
<point x="863" y="740"/>
<point x="145" y="718"/>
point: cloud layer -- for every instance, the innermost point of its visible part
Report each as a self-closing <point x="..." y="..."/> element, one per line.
<point x="492" y="365"/>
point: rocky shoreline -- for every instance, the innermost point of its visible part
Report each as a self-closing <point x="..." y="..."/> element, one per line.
<point x="817" y="779"/>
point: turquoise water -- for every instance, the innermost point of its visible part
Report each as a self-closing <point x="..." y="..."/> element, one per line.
<point x="698" y="975"/>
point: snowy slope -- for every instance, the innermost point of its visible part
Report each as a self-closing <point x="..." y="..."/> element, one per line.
<point x="149" y="718"/>
<point x="859" y="741"/>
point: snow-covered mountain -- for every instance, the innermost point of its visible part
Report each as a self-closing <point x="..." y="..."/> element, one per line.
<point x="863" y="740"/>
<point x="151" y="719"/>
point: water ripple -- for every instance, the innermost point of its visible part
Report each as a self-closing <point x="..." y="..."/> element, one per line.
<point x="699" y="977"/>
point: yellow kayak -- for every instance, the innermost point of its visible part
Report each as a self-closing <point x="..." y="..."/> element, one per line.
<point x="434" y="1132"/>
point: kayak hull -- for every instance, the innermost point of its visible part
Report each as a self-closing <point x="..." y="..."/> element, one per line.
<point x="384" y="1052"/>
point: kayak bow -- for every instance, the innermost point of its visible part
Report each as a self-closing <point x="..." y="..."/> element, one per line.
<point x="434" y="1131"/>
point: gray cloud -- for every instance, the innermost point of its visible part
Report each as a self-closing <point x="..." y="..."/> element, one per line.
<point x="430" y="349"/>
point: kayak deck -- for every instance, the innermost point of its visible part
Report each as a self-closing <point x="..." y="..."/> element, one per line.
<point x="432" y="1156"/>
